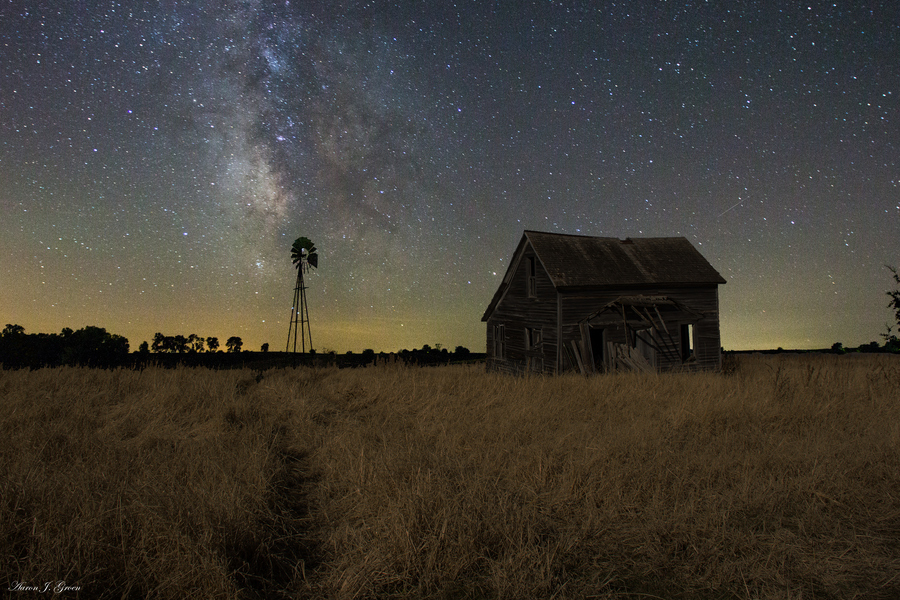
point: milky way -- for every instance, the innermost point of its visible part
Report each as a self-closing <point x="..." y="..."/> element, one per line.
<point x="316" y="124"/>
<point x="158" y="160"/>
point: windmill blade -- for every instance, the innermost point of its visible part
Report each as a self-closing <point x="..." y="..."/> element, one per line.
<point x="302" y="245"/>
<point x="296" y="253"/>
<point x="313" y="259"/>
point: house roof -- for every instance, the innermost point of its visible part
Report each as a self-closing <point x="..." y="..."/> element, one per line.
<point x="583" y="262"/>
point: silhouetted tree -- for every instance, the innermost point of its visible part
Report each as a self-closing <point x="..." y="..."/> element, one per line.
<point x="195" y="342"/>
<point x="159" y="342"/>
<point x="177" y="343"/>
<point x="891" y="341"/>
<point x="265" y="347"/>
<point x="234" y="344"/>
<point x="93" y="346"/>
<point x="461" y="351"/>
<point x="870" y="347"/>
<point x="180" y="344"/>
<point x="90" y="346"/>
<point x="13" y="330"/>
<point x="14" y="346"/>
<point x="144" y="348"/>
<point x="895" y="294"/>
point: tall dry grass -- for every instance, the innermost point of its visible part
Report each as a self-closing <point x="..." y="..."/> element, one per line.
<point x="780" y="479"/>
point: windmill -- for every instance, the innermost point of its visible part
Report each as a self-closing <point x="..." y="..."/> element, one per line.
<point x="304" y="256"/>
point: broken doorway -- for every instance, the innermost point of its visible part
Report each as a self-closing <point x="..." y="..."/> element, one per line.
<point x="597" y="337"/>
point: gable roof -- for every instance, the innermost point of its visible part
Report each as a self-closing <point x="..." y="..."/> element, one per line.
<point x="580" y="262"/>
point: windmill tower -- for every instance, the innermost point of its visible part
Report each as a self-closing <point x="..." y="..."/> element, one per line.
<point x="304" y="256"/>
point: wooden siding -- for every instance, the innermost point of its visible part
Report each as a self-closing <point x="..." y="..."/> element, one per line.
<point x="517" y="311"/>
<point x="576" y="306"/>
<point x="561" y="310"/>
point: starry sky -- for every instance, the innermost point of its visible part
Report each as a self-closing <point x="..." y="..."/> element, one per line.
<point x="158" y="159"/>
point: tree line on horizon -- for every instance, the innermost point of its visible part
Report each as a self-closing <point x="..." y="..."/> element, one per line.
<point x="192" y="343"/>
<point x="89" y="346"/>
<point x="95" y="347"/>
<point x="92" y="346"/>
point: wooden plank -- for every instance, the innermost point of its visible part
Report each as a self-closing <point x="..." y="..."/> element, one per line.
<point x="578" y="357"/>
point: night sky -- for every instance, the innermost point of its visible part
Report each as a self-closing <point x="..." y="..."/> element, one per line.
<point x="158" y="159"/>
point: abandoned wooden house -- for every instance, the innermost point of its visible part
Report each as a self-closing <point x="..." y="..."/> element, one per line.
<point x="597" y="304"/>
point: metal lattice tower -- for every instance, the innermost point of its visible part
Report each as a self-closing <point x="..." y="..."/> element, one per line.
<point x="304" y="256"/>
<point x="299" y="316"/>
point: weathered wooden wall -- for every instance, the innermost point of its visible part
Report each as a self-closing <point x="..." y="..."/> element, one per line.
<point x="559" y="316"/>
<point x="517" y="311"/>
<point x="575" y="306"/>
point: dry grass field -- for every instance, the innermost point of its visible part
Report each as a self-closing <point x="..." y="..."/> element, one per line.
<point x="779" y="479"/>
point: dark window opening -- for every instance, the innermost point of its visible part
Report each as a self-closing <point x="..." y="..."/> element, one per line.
<point x="532" y="277"/>
<point x="533" y="338"/>
<point x="499" y="341"/>
<point x="597" y="347"/>
<point x="687" y="341"/>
